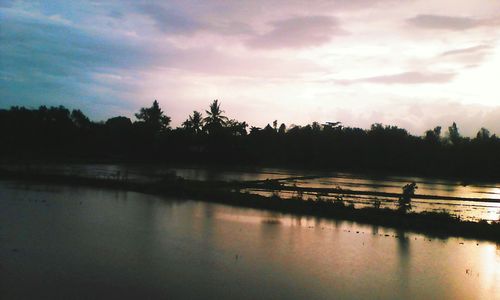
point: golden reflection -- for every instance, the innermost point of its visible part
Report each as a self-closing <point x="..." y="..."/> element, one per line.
<point x="490" y="265"/>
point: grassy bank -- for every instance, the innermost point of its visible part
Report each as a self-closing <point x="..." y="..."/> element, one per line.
<point x="432" y="223"/>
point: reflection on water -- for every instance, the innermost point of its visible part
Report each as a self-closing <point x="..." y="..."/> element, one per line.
<point x="61" y="242"/>
<point x="468" y="210"/>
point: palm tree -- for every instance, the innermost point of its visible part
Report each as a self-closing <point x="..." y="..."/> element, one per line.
<point x="194" y="122"/>
<point x="214" y="119"/>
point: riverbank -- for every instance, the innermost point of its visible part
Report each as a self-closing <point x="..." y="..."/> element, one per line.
<point x="229" y="193"/>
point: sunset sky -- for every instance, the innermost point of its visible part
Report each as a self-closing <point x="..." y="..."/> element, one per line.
<point x="415" y="64"/>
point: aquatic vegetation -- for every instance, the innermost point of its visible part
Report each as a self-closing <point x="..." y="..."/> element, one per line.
<point x="404" y="201"/>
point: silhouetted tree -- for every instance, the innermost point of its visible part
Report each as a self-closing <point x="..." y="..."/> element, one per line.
<point x="453" y="134"/>
<point x="194" y="122"/>
<point x="237" y="128"/>
<point x="119" y="123"/>
<point x="483" y="134"/>
<point x="282" y="129"/>
<point x="254" y="130"/>
<point x="79" y="119"/>
<point x="433" y="136"/>
<point x="215" y="118"/>
<point x="154" y="118"/>
<point x="404" y="202"/>
<point x="55" y="132"/>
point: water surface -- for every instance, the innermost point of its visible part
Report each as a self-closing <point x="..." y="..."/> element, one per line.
<point x="467" y="206"/>
<point x="66" y="242"/>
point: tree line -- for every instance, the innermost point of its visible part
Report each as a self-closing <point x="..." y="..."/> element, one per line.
<point x="210" y="137"/>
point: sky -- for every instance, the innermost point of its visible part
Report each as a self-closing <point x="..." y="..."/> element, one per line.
<point x="412" y="63"/>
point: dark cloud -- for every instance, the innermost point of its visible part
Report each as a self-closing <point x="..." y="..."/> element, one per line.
<point x="298" y="32"/>
<point x="403" y="78"/>
<point x="449" y="22"/>
<point x="170" y="19"/>
<point x="43" y="61"/>
<point x="51" y="62"/>
<point x="186" y="18"/>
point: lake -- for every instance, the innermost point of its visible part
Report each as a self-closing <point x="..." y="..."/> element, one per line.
<point x="68" y="242"/>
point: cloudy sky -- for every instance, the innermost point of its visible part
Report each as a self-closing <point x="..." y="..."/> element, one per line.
<point x="414" y="63"/>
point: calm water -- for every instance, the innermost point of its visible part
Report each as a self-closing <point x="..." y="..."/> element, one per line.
<point x="466" y="209"/>
<point x="64" y="242"/>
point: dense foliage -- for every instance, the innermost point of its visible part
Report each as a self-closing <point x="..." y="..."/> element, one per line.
<point x="58" y="133"/>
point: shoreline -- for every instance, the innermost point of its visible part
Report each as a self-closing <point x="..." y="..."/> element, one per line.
<point x="477" y="179"/>
<point x="429" y="223"/>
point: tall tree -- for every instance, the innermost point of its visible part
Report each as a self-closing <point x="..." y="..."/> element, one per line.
<point x="282" y="129"/>
<point x="433" y="136"/>
<point x="194" y="122"/>
<point x="237" y="128"/>
<point x="153" y="117"/>
<point x="483" y="134"/>
<point x="453" y="134"/>
<point x="215" y="118"/>
<point x="80" y="119"/>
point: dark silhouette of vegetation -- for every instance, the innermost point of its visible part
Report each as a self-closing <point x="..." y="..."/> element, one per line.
<point x="56" y="133"/>
<point x="404" y="202"/>
<point x="153" y="118"/>
<point x="215" y="121"/>
<point x="194" y="123"/>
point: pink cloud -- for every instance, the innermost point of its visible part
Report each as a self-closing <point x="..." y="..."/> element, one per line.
<point x="403" y="78"/>
<point x="449" y="22"/>
<point x="298" y="32"/>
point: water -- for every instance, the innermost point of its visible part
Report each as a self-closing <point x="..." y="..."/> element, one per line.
<point x="468" y="207"/>
<point x="65" y="242"/>
<point x="472" y="210"/>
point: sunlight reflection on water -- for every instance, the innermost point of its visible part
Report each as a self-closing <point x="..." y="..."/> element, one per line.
<point x="62" y="242"/>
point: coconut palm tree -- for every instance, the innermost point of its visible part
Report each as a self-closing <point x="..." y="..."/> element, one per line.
<point x="194" y="122"/>
<point x="215" y="118"/>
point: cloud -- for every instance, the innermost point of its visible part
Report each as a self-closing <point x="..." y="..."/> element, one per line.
<point x="468" y="57"/>
<point x="468" y="50"/>
<point x="187" y="19"/>
<point x="424" y="115"/>
<point x="298" y="32"/>
<point x="46" y="61"/>
<point x="110" y="57"/>
<point x="169" y="20"/>
<point x="449" y="22"/>
<point x="402" y="78"/>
